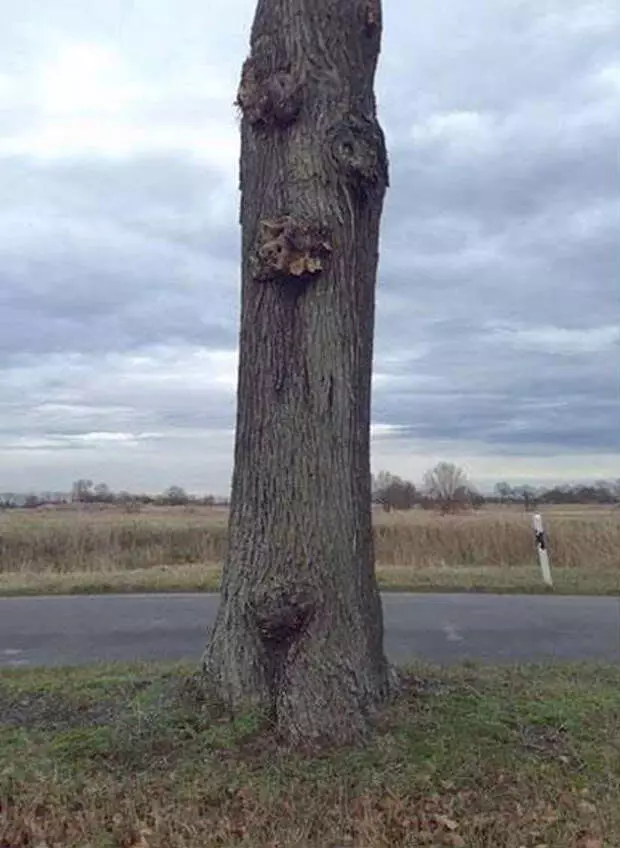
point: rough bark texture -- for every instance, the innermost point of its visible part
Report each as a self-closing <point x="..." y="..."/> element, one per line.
<point x="299" y="629"/>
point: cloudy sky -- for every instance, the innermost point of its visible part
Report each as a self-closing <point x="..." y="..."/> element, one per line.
<point x="498" y="326"/>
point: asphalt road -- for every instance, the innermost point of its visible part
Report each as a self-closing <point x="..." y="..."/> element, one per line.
<point x="439" y="628"/>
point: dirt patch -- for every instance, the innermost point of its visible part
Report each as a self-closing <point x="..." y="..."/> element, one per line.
<point x="550" y="743"/>
<point x="58" y="711"/>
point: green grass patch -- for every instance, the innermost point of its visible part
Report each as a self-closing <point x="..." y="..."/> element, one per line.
<point x="199" y="577"/>
<point x="142" y="756"/>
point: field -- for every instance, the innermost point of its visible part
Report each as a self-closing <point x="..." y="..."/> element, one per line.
<point x="176" y="549"/>
<point x="141" y="757"/>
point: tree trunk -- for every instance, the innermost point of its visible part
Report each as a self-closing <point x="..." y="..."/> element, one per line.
<point x="299" y="629"/>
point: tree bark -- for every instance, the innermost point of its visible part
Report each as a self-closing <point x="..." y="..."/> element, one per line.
<point x="299" y="629"/>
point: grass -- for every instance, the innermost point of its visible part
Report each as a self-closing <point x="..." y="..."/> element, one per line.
<point x="179" y="550"/>
<point x="198" y="577"/>
<point x="138" y="757"/>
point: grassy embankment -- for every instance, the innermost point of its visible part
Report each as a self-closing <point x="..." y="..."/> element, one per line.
<point x="139" y="757"/>
<point x="181" y="550"/>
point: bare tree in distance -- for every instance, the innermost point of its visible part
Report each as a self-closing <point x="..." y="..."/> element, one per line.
<point x="526" y="494"/>
<point x="82" y="491"/>
<point x="175" y="496"/>
<point x="504" y="492"/>
<point x="447" y="487"/>
<point x="102" y="493"/>
<point x="392" y="492"/>
<point x="299" y="630"/>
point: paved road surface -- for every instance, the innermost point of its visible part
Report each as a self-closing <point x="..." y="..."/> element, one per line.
<point x="440" y="628"/>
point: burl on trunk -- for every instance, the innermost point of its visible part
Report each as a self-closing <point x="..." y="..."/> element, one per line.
<point x="299" y="629"/>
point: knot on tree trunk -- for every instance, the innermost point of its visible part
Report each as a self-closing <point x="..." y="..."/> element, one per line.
<point x="281" y="614"/>
<point x="289" y="248"/>
<point x="357" y="147"/>
<point x="268" y="98"/>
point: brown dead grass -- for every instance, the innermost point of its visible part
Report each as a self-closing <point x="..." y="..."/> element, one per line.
<point x="138" y="757"/>
<point x="179" y="549"/>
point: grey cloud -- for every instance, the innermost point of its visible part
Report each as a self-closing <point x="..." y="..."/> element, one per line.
<point x="483" y="56"/>
<point x="105" y="256"/>
<point x="106" y="395"/>
<point x="481" y="228"/>
<point x="508" y="397"/>
<point x="548" y="150"/>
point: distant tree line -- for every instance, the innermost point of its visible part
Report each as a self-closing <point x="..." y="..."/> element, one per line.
<point x="444" y="488"/>
<point x="602" y="492"/>
<point x="84" y="491"/>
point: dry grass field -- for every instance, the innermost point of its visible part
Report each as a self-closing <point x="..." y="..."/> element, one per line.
<point x="174" y="549"/>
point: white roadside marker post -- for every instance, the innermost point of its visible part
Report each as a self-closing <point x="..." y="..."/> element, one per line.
<point x="541" y="549"/>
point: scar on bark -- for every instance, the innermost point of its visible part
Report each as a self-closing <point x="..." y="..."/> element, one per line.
<point x="268" y="98"/>
<point x="290" y="248"/>
<point x="358" y="149"/>
<point x="281" y="615"/>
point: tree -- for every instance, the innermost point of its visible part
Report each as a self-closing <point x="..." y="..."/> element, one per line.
<point x="175" y="496"/>
<point x="475" y="498"/>
<point x="81" y="491"/>
<point x="130" y="503"/>
<point x="504" y="492"/>
<point x="446" y="486"/>
<point x="528" y="495"/>
<point x="392" y="492"/>
<point x="299" y="629"/>
<point x="103" y="494"/>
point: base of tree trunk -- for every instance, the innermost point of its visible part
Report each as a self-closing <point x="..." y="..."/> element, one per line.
<point x="317" y="687"/>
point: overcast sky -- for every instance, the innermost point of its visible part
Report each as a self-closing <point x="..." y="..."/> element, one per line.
<point x="498" y="310"/>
